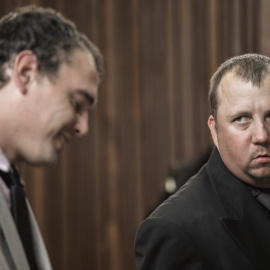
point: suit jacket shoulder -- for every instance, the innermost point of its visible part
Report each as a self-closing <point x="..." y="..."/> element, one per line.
<point x="206" y="220"/>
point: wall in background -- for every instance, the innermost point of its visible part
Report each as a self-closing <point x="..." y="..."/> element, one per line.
<point x="152" y="111"/>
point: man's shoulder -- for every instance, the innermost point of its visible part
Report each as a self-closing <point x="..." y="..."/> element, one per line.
<point x="190" y="202"/>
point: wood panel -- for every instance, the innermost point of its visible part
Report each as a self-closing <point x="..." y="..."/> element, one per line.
<point x="152" y="111"/>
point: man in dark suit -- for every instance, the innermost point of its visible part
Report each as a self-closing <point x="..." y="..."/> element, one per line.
<point x="49" y="77"/>
<point x="220" y="218"/>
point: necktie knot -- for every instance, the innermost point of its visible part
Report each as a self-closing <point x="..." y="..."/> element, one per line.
<point x="11" y="178"/>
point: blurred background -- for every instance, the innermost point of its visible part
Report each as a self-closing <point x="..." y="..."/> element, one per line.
<point x="150" y="122"/>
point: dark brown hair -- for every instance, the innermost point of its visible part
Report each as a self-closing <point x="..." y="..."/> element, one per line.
<point x="49" y="35"/>
<point x="249" y="67"/>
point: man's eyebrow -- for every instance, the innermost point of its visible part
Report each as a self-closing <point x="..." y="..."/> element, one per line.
<point x="239" y="113"/>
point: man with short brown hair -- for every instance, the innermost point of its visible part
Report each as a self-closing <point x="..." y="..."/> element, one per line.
<point x="220" y="218"/>
<point x="49" y="78"/>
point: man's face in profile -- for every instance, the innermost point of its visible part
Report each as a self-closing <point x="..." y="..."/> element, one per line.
<point x="241" y="130"/>
<point x="56" y="109"/>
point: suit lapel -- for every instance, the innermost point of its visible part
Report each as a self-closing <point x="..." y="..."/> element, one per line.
<point x="11" y="235"/>
<point x="244" y="219"/>
<point x="42" y="257"/>
<point x="251" y="232"/>
<point x="3" y="262"/>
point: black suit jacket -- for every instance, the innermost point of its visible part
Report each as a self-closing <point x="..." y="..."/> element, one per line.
<point x="212" y="222"/>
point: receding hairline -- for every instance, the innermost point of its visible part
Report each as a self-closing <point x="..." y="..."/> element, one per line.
<point x="69" y="60"/>
<point x="248" y="67"/>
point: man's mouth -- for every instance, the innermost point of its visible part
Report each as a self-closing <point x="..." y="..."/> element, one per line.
<point x="64" y="137"/>
<point x="262" y="158"/>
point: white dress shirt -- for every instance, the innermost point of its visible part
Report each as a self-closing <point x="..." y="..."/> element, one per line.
<point x="5" y="167"/>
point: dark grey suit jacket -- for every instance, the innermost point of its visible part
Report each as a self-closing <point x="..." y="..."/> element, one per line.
<point x="12" y="255"/>
<point x="212" y="222"/>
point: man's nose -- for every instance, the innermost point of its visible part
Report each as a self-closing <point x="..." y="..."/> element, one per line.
<point x="261" y="133"/>
<point x="81" y="124"/>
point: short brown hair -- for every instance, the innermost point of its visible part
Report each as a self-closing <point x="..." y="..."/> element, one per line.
<point x="249" y="67"/>
<point x="45" y="32"/>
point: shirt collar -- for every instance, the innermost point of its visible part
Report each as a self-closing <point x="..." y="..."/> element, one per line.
<point x="4" y="163"/>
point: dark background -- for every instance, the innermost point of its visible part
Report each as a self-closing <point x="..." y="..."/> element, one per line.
<point x="152" y="111"/>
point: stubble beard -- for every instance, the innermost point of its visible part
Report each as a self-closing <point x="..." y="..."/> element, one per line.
<point x="259" y="173"/>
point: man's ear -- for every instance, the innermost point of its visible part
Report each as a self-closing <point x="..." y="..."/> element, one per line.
<point x="24" y="69"/>
<point x="213" y="128"/>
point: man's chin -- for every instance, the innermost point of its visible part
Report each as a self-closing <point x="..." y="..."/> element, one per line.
<point x="43" y="160"/>
<point x="261" y="174"/>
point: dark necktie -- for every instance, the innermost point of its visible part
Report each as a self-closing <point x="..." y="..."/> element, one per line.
<point x="20" y="213"/>
<point x="262" y="196"/>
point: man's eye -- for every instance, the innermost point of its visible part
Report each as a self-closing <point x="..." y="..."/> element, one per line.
<point x="77" y="105"/>
<point x="242" y="119"/>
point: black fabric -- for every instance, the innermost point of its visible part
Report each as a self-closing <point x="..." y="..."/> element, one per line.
<point x="262" y="196"/>
<point x="212" y="222"/>
<point x="20" y="213"/>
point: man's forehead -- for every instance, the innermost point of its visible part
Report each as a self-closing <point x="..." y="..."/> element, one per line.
<point x="88" y="55"/>
<point x="232" y="82"/>
<point x="247" y="75"/>
<point x="79" y="63"/>
<point x="232" y="76"/>
<point x="228" y="89"/>
<point x="235" y="92"/>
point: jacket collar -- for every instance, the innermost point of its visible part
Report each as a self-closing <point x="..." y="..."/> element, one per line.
<point x="244" y="219"/>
